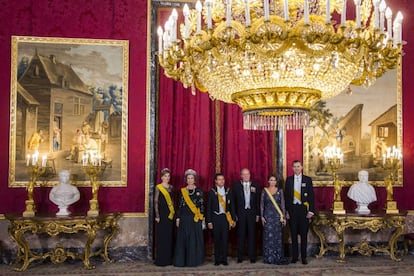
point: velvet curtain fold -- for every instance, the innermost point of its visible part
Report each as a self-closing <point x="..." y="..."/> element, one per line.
<point x="245" y="148"/>
<point x="187" y="138"/>
<point x="186" y="133"/>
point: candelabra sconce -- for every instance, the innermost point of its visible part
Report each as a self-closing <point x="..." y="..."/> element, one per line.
<point x="391" y="163"/>
<point x="93" y="169"/>
<point x="334" y="160"/>
<point x="34" y="171"/>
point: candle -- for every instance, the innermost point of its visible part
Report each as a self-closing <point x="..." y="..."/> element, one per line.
<point x="266" y="10"/>
<point x="388" y="15"/>
<point x="174" y="17"/>
<point x="186" y="12"/>
<point x="343" y="14"/>
<point x="28" y="160"/>
<point x="247" y="10"/>
<point x="383" y="159"/>
<point x="209" y="22"/>
<point x="306" y="11"/>
<point x="286" y="9"/>
<point x="382" y="8"/>
<point x="84" y="159"/>
<point x="165" y="39"/>
<point x="228" y="13"/>
<point x="99" y="160"/>
<point x="199" y="8"/>
<point x="160" y="37"/>
<point x="395" y="30"/>
<point x="167" y="28"/>
<point x="44" y="159"/>
<point x="376" y="13"/>
<point x="34" y="158"/>
<point x="358" y="12"/>
<point x="399" y="19"/>
<point x="328" y="11"/>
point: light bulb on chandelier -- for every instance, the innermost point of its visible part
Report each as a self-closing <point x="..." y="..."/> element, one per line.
<point x="277" y="58"/>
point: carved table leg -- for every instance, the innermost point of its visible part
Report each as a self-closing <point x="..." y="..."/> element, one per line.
<point x="91" y="238"/>
<point x="340" y="233"/>
<point x="318" y="232"/>
<point x="392" y="243"/>
<point x="22" y="247"/>
<point x="114" y="229"/>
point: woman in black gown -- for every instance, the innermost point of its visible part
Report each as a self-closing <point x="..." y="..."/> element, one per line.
<point x="273" y="222"/>
<point x="189" y="247"/>
<point x="164" y="215"/>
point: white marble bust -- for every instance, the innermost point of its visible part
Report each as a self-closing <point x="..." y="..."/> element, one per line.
<point x="64" y="194"/>
<point x="362" y="193"/>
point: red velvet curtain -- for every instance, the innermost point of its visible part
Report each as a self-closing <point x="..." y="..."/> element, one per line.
<point x="241" y="148"/>
<point x="187" y="138"/>
<point x="186" y="133"/>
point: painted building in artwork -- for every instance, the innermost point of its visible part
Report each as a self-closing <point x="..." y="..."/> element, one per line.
<point x="384" y="131"/>
<point x="59" y="101"/>
<point x="348" y="132"/>
<point x="26" y="119"/>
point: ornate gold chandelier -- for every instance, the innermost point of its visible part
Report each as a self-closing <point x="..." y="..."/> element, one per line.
<point x="277" y="58"/>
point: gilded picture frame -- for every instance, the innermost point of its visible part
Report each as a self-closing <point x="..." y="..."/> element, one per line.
<point x="69" y="100"/>
<point x="363" y="122"/>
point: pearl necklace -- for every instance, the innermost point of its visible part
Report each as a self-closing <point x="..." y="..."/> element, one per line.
<point x="192" y="192"/>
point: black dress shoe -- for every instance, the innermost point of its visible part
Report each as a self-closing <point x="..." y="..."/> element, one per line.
<point x="294" y="261"/>
<point x="225" y="263"/>
<point x="304" y="261"/>
<point x="216" y="263"/>
<point x="239" y="261"/>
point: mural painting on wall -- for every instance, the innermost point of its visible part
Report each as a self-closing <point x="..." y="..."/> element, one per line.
<point x="363" y="122"/>
<point x="69" y="100"/>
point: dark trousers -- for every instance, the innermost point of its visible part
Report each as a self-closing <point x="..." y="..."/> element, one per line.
<point x="299" y="224"/>
<point x="220" y="236"/>
<point x="246" y="225"/>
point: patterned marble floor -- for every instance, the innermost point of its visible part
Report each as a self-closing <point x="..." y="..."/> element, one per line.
<point x="355" y="265"/>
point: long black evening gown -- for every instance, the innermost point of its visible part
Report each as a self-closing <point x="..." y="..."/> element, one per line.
<point x="189" y="247"/>
<point x="272" y="229"/>
<point x="164" y="230"/>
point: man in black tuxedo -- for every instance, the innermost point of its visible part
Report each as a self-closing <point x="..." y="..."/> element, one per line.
<point x="220" y="217"/>
<point x="300" y="207"/>
<point x="247" y="199"/>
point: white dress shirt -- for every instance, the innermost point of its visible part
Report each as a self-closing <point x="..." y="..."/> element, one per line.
<point x="297" y="186"/>
<point x="221" y="191"/>
<point x="246" y="189"/>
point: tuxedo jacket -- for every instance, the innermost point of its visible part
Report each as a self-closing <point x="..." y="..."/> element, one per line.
<point x="239" y="200"/>
<point x="306" y="190"/>
<point x="213" y="204"/>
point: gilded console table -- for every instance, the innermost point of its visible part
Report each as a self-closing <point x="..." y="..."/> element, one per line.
<point x="54" y="226"/>
<point x="372" y="222"/>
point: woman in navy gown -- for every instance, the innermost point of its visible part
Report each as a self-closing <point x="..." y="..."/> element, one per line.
<point x="272" y="222"/>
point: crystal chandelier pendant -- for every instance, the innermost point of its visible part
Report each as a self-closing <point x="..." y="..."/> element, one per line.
<point x="276" y="59"/>
<point x="276" y="120"/>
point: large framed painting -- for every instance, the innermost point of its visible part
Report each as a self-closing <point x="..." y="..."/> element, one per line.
<point x="363" y="122"/>
<point x="69" y="100"/>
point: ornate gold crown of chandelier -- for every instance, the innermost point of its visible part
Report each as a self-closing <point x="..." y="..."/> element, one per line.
<point x="277" y="58"/>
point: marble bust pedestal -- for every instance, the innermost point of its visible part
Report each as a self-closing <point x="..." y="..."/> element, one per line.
<point x="362" y="208"/>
